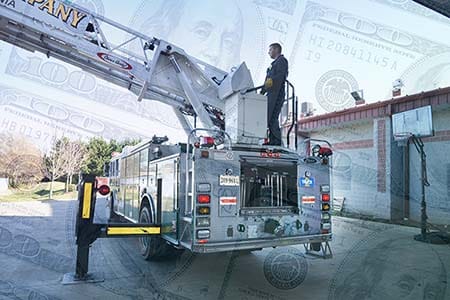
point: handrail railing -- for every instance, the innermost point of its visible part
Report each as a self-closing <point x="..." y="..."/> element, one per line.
<point x="227" y="143"/>
<point x="294" y="113"/>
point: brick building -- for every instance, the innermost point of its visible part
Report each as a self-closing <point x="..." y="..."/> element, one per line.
<point x="377" y="177"/>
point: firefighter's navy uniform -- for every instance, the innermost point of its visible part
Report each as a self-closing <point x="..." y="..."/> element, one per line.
<point x="274" y="86"/>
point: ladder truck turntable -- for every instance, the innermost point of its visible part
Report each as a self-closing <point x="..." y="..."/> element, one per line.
<point x="221" y="190"/>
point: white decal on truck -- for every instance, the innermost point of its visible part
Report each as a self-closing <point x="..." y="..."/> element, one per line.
<point x="229" y="180"/>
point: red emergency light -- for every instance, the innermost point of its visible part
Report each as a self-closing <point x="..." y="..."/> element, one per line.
<point x="325" y="197"/>
<point x="203" y="198"/>
<point x="104" y="190"/>
<point x="206" y="141"/>
<point x="325" y="152"/>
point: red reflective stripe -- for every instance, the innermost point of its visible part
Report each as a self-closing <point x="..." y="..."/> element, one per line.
<point x="270" y="155"/>
<point x="308" y="199"/>
<point x="230" y="200"/>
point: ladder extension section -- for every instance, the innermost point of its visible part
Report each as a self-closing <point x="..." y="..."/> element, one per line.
<point x="138" y="63"/>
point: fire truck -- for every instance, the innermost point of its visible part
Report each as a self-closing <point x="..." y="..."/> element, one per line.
<point x="222" y="188"/>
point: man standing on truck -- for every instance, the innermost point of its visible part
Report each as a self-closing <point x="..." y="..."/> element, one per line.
<point x="274" y="85"/>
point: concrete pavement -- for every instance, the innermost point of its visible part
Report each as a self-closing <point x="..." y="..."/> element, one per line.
<point x="371" y="261"/>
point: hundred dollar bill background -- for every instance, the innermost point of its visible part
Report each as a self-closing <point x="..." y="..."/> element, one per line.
<point x="333" y="47"/>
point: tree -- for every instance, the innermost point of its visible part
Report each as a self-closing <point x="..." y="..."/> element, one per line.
<point x="98" y="152"/>
<point x="55" y="161"/>
<point x="117" y="146"/>
<point x="20" y="161"/>
<point x="74" y="153"/>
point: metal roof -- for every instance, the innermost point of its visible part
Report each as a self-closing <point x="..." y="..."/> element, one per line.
<point x="368" y="112"/>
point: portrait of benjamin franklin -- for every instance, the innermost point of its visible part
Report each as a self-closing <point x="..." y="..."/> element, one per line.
<point x="211" y="31"/>
<point x="399" y="268"/>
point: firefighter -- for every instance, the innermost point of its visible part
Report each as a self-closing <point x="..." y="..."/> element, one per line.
<point x="274" y="86"/>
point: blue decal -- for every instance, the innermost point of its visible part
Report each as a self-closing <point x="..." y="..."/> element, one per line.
<point x="306" y="182"/>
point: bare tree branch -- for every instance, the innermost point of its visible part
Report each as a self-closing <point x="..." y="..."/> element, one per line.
<point x="55" y="161"/>
<point x="20" y="160"/>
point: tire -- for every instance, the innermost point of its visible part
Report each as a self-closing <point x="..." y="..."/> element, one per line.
<point x="315" y="246"/>
<point x="152" y="247"/>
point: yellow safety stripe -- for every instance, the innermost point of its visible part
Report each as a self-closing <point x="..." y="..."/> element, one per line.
<point x="87" y="200"/>
<point x="133" y="230"/>
<point x="166" y="229"/>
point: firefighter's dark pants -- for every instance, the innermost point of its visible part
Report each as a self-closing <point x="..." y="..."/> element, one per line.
<point x="275" y="100"/>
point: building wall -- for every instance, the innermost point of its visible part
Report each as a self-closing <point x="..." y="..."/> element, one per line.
<point x="355" y="166"/>
<point x="369" y="169"/>
<point x="437" y="150"/>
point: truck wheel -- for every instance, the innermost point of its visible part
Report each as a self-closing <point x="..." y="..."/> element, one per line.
<point x="152" y="247"/>
<point x="316" y="246"/>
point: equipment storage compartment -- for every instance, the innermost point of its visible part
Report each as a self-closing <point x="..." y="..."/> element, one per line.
<point x="246" y="117"/>
<point x="268" y="186"/>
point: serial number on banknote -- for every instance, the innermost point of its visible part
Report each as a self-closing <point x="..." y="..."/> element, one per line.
<point x="349" y="51"/>
<point x="27" y="131"/>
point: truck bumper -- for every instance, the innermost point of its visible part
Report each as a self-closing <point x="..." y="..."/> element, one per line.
<point x="211" y="247"/>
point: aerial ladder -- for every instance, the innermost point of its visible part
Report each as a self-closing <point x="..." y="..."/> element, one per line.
<point x="230" y="192"/>
<point x="147" y="66"/>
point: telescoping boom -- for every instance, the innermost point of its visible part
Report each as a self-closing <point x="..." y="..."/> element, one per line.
<point x="221" y="190"/>
<point x="149" y="67"/>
